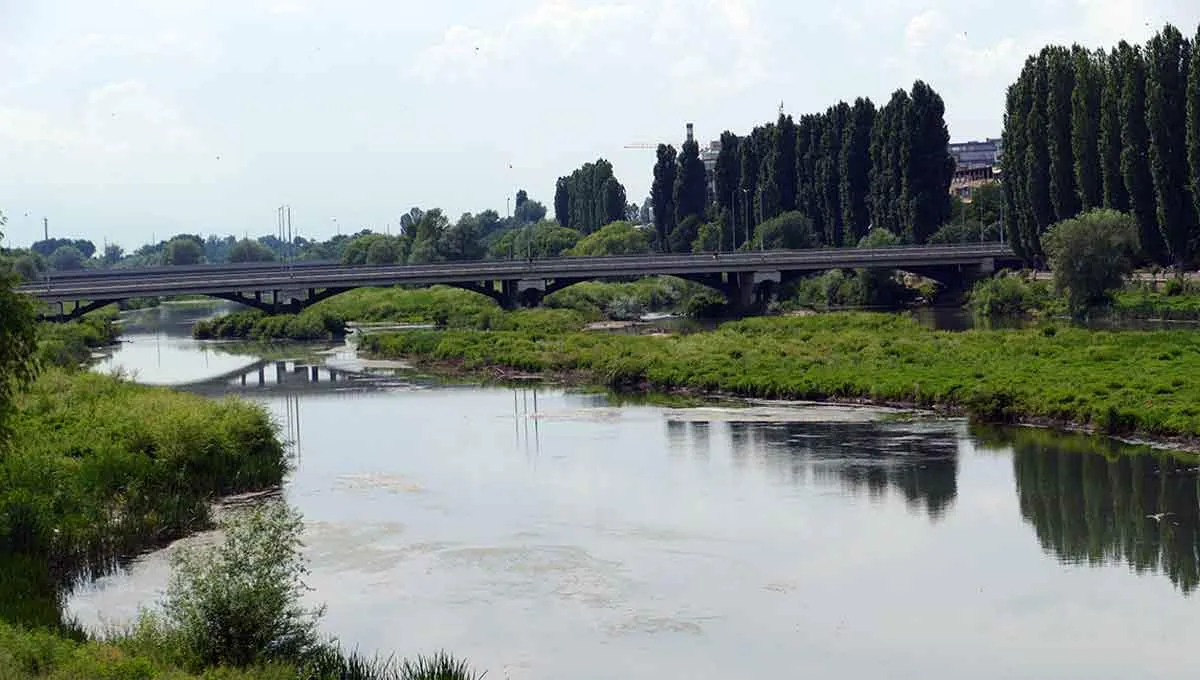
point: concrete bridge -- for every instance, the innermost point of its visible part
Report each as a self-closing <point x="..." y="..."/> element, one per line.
<point x="741" y="276"/>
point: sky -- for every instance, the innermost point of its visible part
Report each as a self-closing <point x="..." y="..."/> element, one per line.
<point x="126" y="120"/>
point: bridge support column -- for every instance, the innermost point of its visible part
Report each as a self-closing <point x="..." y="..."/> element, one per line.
<point x="746" y="291"/>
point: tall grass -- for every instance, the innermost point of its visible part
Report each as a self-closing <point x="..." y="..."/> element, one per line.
<point x="99" y="466"/>
<point x="1118" y="382"/>
<point x="71" y="344"/>
<point x="311" y="324"/>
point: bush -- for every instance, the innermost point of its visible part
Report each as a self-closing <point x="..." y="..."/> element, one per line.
<point x="1091" y="256"/>
<point x="1009" y="294"/>
<point x="239" y="603"/>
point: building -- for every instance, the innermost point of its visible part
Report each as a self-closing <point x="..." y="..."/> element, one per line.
<point x="977" y="154"/>
<point x="975" y="163"/>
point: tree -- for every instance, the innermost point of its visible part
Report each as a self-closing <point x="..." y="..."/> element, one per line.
<point x="246" y="250"/>
<point x="410" y="220"/>
<point x="728" y="172"/>
<point x="791" y="230"/>
<point x="544" y="239"/>
<point x="828" y="168"/>
<point x="1193" y="124"/>
<point x="112" y="254"/>
<point x="527" y="211"/>
<point x="690" y="189"/>
<point x="708" y="240"/>
<point x="1037" y="161"/>
<point x="47" y="247"/>
<point x="1135" y="154"/>
<point x="662" y="193"/>
<point x="66" y="258"/>
<point x="783" y="158"/>
<point x="612" y="200"/>
<point x="888" y="150"/>
<point x="1167" y="57"/>
<point x="685" y="234"/>
<point x="930" y="168"/>
<point x="646" y="215"/>
<point x="1091" y="256"/>
<point x="562" y="202"/>
<point x="1085" y="129"/>
<point x="182" y="250"/>
<point x="1060" y="84"/>
<point x="18" y="344"/>
<point x="1115" y="194"/>
<point x="462" y="241"/>
<point x="240" y="603"/>
<point x="618" y="238"/>
<point x="855" y="171"/>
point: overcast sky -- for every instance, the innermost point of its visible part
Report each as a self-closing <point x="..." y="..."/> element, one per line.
<point x="120" y="120"/>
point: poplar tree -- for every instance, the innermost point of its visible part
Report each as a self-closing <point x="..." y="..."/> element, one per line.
<point x="1167" y="58"/>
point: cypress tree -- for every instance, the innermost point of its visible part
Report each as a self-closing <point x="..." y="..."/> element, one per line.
<point x="785" y="164"/>
<point x="828" y="173"/>
<point x="855" y="171"/>
<point x="1135" y="152"/>
<point x="1167" y="57"/>
<point x="1193" y="132"/>
<point x="1085" y="130"/>
<point x="1060" y="84"/>
<point x="749" y="188"/>
<point x="1115" y="194"/>
<point x="562" y="213"/>
<point x="929" y="166"/>
<point x="662" y="194"/>
<point x="1015" y="137"/>
<point x="691" y="185"/>
<point x="1037" y="160"/>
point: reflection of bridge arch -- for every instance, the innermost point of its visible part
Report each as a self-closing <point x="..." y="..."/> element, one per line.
<point x="283" y="376"/>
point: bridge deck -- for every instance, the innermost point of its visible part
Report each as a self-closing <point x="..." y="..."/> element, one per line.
<point x="155" y="281"/>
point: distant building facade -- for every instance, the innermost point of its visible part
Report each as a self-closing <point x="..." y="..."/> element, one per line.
<point x="975" y="164"/>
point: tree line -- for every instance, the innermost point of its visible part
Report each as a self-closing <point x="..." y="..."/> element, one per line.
<point x="1116" y="128"/>
<point x="843" y="171"/>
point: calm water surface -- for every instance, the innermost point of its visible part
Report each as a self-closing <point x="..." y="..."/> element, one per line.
<point x="549" y="534"/>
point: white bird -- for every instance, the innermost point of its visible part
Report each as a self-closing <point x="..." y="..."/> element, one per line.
<point x="1157" y="517"/>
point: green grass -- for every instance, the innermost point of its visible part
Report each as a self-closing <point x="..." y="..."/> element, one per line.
<point x="1118" y="382"/>
<point x="1014" y="295"/>
<point x="311" y="324"/>
<point x="71" y="343"/>
<point x="98" y="467"/>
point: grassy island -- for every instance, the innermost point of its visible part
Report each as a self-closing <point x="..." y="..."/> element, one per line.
<point x="1128" y="382"/>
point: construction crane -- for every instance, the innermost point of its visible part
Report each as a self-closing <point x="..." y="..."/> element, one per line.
<point x="641" y="147"/>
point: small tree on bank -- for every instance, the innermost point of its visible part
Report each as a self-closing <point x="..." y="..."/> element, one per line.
<point x="1091" y="256"/>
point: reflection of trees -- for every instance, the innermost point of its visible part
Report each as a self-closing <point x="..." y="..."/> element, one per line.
<point x="1092" y="508"/>
<point x="916" y="462"/>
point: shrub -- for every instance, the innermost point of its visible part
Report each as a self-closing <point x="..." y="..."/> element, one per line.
<point x="1091" y="256"/>
<point x="239" y="603"/>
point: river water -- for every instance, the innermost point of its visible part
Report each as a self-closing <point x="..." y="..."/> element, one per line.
<point x="544" y="533"/>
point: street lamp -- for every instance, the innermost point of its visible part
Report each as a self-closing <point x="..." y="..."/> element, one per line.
<point x="746" y="202"/>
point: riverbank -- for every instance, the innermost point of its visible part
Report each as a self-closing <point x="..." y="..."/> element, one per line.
<point x="1020" y="294"/>
<point x="1117" y="383"/>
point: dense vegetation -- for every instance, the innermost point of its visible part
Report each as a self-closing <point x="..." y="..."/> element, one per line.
<point x="1116" y="129"/>
<point x="311" y="324"/>
<point x="1116" y="382"/>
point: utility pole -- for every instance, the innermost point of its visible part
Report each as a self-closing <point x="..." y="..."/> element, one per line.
<point x="45" y="228"/>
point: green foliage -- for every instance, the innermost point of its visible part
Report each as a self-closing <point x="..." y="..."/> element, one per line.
<point x="311" y="324"/>
<point x="239" y="603"/>
<point x="246" y="250"/>
<point x="1091" y="256"/>
<point x="70" y="344"/>
<point x="1086" y="130"/>
<point x="1167" y="57"/>
<point x="435" y="304"/>
<point x="375" y="249"/>
<point x="662" y="194"/>
<point x="1009" y="294"/>
<point x="709" y="239"/>
<point x="182" y="250"/>
<point x="66" y="258"/>
<point x="1193" y="122"/>
<point x="1102" y="379"/>
<point x="623" y="300"/>
<point x="789" y="230"/>
<point x="18" y="345"/>
<point x="541" y="240"/>
<point x="102" y="466"/>
<point x="589" y="197"/>
<point x="617" y="238"/>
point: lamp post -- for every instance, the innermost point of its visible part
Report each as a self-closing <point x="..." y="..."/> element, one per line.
<point x="746" y="202"/>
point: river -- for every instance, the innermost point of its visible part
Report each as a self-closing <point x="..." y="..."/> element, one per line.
<point x="544" y="533"/>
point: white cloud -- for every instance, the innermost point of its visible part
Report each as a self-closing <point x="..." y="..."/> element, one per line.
<point x="553" y="30"/>
<point x="924" y="29"/>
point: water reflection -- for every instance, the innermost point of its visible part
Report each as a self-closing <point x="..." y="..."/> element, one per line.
<point x="1137" y="508"/>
